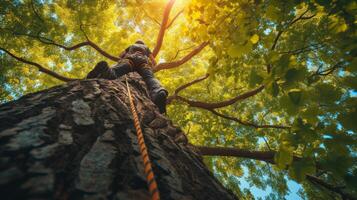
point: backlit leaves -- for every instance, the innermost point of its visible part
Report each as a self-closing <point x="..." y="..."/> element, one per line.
<point x="302" y="89"/>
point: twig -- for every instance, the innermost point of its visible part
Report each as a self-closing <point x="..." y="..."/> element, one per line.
<point x="173" y="19"/>
<point x="184" y="86"/>
<point x="248" y="123"/>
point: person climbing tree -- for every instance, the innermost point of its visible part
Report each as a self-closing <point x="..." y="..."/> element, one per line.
<point x="136" y="58"/>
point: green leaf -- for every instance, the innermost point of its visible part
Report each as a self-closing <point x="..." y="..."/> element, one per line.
<point x="299" y="169"/>
<point x="274" y="89"/>
<point x="348" y="119"/>
<point x="255" y="78"/>
<point x="293" y="75"/>
<point x="327" y="93"/>
<point x="295" y="96"/>
<point x="283" y="157"/>
<point x="281" y="65"/>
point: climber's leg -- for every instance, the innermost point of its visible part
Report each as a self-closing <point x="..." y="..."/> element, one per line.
<point x="158" y="94"/>
<point x="102" y="70"/>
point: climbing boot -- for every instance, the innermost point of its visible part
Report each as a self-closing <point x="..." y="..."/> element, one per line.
<point x="159" y="98"/>
<point x="101" y="70"/>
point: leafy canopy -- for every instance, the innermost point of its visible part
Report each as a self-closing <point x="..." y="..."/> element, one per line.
<point x="294" y="63"/>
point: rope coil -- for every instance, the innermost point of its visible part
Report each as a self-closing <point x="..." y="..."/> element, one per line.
<point x="150" y="178"/>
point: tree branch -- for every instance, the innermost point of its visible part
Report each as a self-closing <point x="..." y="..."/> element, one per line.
<point x="221" y="104"/>
<point x="180" y="50"/>
<point x="330" y="187"/>
<point x="267" y="156"/>
<point x="301" y="17"/>
<point x="71" y="48"/>
<point x="153" y="19"/>
<point x="183" y="60"/>
<point x="173" y="19"/>
<point x="211" y="106"/>
<point x="326" y="71"/>
<point x="304" y="49"/>
<point x="39" y="67"/>
<point x="248" y="123"/>
<point x="184" y="86"/>
<point x="163" y="27"/>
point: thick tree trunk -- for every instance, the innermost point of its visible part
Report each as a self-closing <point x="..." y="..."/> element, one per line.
<point x="77" y="141"/>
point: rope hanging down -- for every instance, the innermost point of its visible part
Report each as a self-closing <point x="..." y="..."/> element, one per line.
<point x="150" y="179"/>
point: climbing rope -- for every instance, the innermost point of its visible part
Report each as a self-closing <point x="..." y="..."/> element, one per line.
<point x="150" y="179"/>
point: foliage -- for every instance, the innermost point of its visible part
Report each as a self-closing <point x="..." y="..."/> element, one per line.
<point x="304" y="53"/>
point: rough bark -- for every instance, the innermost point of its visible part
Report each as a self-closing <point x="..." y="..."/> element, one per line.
<point x="77" y="141"/>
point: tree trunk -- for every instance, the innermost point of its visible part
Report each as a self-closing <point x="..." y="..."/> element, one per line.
<point x="78" y="141"/>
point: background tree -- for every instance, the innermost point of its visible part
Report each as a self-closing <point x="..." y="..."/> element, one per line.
<point x="270" y="81"/>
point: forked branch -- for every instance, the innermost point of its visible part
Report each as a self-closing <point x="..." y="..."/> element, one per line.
<point x="39" y="67"/>
<point x="183" y="60"/>
<point x="173" y="19"/>
<point x="163" y="27"/>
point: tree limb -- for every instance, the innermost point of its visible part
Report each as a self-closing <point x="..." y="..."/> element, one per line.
<point x="71" y="48"/>
<point x="173" y="19"/>
<point x="248" y="123"/>
<point x="183" y="60"/>
<point x="163" y="27"/>
<point x="180" y="50"/>
<point x="267" y="156"/>
<point x="328" y="71"/>
<point x="39" y="67"/>
<point x="221" y="104"/>
<point x="211" y="106"/>
<point x="153" y="19"/>
<point x="304" y="49"/>
<point x="301" y="17"/>
<point x="184" y="86"/>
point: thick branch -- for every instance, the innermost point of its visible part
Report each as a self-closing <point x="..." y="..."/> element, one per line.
<point x="267" y="156"/>
<point x="221" y="104"/>
<point x="183" y="60"/>
<point x="39" y="67"/>
<point x="163" y="27"/>
<point x="184" y="86"/>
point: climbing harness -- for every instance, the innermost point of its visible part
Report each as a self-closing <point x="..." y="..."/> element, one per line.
<point x="150" y="179"/>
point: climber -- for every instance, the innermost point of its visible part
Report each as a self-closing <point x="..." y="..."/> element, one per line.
<point x="136" y="57"/>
